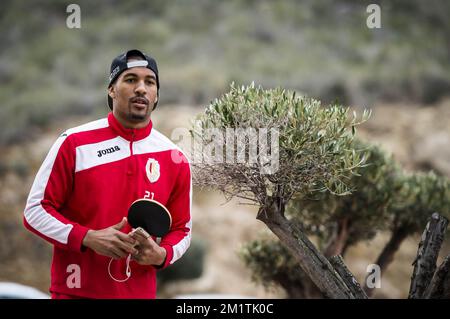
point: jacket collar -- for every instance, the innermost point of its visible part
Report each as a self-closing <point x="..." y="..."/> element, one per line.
<point x="130" y="134"/>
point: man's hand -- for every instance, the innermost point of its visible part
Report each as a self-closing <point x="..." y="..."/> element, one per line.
<point x="149" y="252"/>
<point x="110" y="242"/>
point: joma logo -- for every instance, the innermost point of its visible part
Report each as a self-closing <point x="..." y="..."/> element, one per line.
<point x="108" y="151"/>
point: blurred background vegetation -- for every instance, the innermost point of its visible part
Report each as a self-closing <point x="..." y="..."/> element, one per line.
<point x="53" y="77"/>
<point x="319" y="47"/>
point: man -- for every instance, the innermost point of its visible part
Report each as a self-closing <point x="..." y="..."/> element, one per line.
<point x="80" y="197"/>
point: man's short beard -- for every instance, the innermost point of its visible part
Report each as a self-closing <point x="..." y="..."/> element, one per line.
<point x="136" y="117"/>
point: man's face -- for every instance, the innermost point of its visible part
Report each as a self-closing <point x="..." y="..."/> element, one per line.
<point x="134" y="94"/>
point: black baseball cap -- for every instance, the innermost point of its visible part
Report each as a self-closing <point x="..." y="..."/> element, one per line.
<point x="120" y="64"/>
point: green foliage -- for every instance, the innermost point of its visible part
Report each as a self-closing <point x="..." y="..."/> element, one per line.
<point x="384" y="198"/>
<point x="420" y="196"/>
<point x="317" y="47"/>
<point x="366" y="211"/>
<point x="270" y="261"/>
<point x="314" y="144"/>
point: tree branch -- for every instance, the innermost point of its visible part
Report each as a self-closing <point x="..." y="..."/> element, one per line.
<point x="338" y="239"/>
<point x="427" y="254"/>
<point x="347" y="276"/>
<point x="313" y="263"/>
<point x="439" y="288"/>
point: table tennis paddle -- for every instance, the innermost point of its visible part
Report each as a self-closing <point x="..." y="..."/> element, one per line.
<point x="149" y="218"/>
<point x="150" y="215"/>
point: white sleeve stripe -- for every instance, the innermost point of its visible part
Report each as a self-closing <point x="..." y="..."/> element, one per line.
<point x="48" y="225"/>
<point x="35" y="214"/>
<point x="180" y="248"/>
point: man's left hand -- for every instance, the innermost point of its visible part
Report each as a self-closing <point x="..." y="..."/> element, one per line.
<point x="149" y="252"/>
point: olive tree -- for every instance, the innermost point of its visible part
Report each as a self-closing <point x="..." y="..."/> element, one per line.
<point x="336" y="222"/>
<point x="311" y="151"/>
<point x="384" y="199"/>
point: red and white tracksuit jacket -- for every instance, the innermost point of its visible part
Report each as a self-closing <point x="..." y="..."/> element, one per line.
<point x="87" y="181"/>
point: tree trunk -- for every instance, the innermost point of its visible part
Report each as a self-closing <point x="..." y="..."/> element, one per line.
<point x="387" y="254"/>
<point x="313" y="263"/>
<point x="427" y="254"/>
<point x="347" y="276"/>
<point x="338" y="240"/>
<point x="439" y="287"/>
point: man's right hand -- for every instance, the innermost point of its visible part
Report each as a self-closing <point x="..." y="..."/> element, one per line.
<point x="110" y="242"/>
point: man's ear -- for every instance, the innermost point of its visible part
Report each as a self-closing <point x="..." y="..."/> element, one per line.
<point x="111" y="92"/>
<point x="154" y="102"/>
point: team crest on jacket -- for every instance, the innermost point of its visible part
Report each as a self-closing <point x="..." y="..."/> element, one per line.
<point x="152" y="170"/>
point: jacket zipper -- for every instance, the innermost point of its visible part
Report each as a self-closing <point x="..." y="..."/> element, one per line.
<point x="131" y="162"/>
<point x="131" y="143"/>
